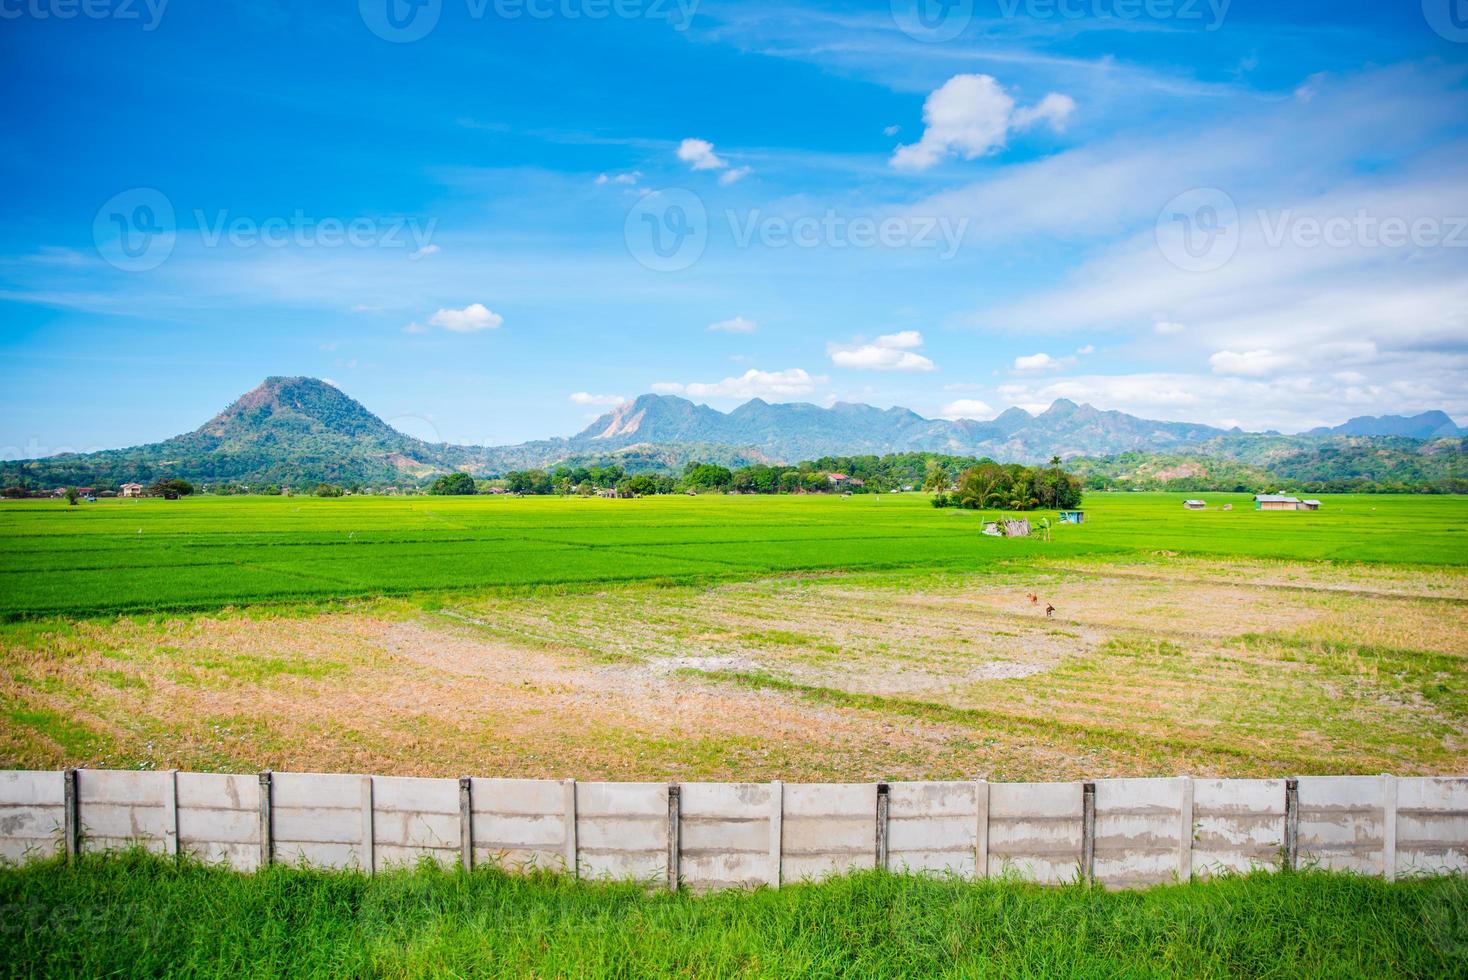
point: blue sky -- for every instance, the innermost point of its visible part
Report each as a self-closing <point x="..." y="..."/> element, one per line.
<point x="490" y="219"/>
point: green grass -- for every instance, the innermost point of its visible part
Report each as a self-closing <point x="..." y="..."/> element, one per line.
<point x="153" y="555"/>
<point x="135" y="915"/>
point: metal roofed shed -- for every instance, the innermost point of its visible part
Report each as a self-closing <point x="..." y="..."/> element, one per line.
<point x="1195" y="504"/>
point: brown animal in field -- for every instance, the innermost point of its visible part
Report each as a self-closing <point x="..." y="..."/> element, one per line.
<point x="1049" y="609"/>
<point x="1032" y="597"/>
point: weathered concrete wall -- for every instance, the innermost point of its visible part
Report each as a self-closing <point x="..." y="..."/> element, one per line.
<point x="827" y="828"/>
<point x="524" y="823"/>
<point x="622" y="830"/>
<point x="1136" y="832"/>
<point x="219" y="818"/>
<point x="1143" y="831"/>
<point x="119" y="808"/>
<point x="935" y="826"/>
<point x="320" y="819"/>
<point x="32" y="815"/>
<point x="1238" y="825"/>
<point x="1035" y="830"/>
<point x="730" y="834"/>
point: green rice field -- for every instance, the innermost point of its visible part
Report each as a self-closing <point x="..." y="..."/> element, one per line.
<point x="138" y="555"/>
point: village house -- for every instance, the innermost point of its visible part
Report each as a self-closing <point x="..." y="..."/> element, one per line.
<point x="1195" y="504"/>
<point x="1270" y="501"/>
<point x="132" y="490"/>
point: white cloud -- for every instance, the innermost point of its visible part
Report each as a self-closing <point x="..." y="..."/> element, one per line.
<point x="971" y="116"/>
<point x="1055" y="109"/>
<point x="737" y="325"/>
<point x="1041" y="362"/>
<point x="587" y="398"/>
<point x="629" y="178"/>
<point x="1088" y="349"/>
<point x="730" y="176"/>
<point x="753" y="383"/>
<point x="891" y="130"/>
<point x="1167" y="327"/>
<point x="700" y="155"/>
<point x="471" y="319"/>
<point x="967" y="408"/>
<point x="424" y="252"/>
<point x="415" y="327"/>
<point x="890" y="352"/>
<point x="1250" y="364"/>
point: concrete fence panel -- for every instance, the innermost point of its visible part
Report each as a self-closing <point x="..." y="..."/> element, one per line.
<point x="1343" y="822"/>
<point x="1144" y="831"/>
<point x="1117" y="832"/>
<point x="524" y="823"/>
<point x="32" y="815"/>
<point x="1238" y="825"/>
<point x="725" y="835"/>
<point x="320" y="819"/>
<point x="1432" y="825"/>
<point x="828" y="828"/>
<point x="119" y="809"/>
<point x="219" y="818"/>
<point x="1035" y="830"/>
<point x="414" y="818"/>
<point x="622" y="830"/>
<point x="934" y="827"/>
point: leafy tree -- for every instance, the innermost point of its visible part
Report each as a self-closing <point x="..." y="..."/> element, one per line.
<point x="165" y="486"/>
<point x="454" y="485"/>
<point x="327" y="490"/>
<point x="72" y="496"/>
<point x="707" y="476"/>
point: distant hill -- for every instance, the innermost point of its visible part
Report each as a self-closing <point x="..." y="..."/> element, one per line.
<point x="302" y="431"/>
<point x="1428" y="425"/>
<point x="802" y="431"/>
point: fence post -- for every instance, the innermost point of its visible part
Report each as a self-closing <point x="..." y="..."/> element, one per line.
<point x="267" y="824"/>
<point x="777" y="831"/>
<point x="1292" y="823"/>
<point x="1389" y="826"/>
<point x="675" y="831"/>
<point x="1088" y="832"/>
<point x="981" y="828"/>
<point x="369" y="831"/>
<point x="1185" y="829"/>
<point x="884" y="804"/>
<point x="466" y="822"/>
<point x="71" y="816"/>
<point x="573" y="859"/>
<point x="170" y="814"/>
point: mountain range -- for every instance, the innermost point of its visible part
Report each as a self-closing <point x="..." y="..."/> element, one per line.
<point x="295" y="431"/>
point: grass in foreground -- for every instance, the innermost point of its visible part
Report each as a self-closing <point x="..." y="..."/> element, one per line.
<point x="135" y="915"/>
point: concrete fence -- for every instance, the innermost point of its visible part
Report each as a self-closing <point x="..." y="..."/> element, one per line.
<point x="1116" y="832"/>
